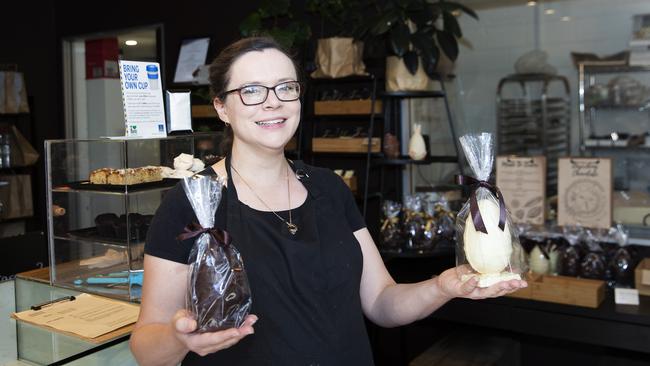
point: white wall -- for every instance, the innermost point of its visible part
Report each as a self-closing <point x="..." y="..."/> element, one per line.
<point x="503" y="33"/>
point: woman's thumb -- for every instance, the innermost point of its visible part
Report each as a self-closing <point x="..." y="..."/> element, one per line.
<point x="183" y="323"/>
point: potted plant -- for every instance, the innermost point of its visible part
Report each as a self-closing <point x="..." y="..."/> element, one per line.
<point x="338" y="54"/>
<point x="274" y="18"/>
<point x="418" y="35"/>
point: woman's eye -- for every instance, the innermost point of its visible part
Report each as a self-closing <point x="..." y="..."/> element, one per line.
<point x="250" y="90"/>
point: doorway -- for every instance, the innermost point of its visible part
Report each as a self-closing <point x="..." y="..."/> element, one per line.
<point x="92" y="94"/>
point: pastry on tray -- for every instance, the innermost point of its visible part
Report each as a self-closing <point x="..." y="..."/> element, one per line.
<point x="126" y="176"/>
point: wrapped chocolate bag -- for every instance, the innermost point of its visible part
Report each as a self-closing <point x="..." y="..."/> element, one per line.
<point x="487" y="244"/>
<point x="391" y="232"/>
<point x="414" y="222"/>
<point x="218" y="294"/>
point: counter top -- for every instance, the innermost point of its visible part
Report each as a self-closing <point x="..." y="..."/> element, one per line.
<point x="623" y="327"/>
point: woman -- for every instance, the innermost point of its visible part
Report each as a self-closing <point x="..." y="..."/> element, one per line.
<point x="313" y="267"/>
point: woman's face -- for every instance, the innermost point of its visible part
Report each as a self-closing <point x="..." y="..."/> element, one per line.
<point x="272" y="123"/>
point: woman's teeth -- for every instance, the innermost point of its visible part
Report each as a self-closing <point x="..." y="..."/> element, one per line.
<point x="269" y="123"/>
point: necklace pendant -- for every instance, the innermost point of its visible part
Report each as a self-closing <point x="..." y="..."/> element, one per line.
<point x="293" y="229"/>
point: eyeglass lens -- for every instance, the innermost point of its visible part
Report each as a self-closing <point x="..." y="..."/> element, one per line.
<point x="256" y="94"/>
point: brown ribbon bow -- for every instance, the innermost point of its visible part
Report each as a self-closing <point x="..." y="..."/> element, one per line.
<point x="192" y="230"/>
<point x="464" y="180"/>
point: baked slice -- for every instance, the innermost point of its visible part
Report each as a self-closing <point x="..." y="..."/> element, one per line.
<point x="100" y="176"/>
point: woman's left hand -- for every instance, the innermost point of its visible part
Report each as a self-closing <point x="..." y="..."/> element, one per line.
<point x="451" y="286"/>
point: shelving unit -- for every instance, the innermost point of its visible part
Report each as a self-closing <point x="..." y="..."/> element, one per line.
<point x="327" y="110"/>
<point x="393" y="123"/>
<point x="533" y="118"/>
<point x="614" y="111"/>
<point x="24" y="123"/>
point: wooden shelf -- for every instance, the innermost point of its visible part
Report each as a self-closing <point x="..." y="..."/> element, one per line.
<point x="203" y="111"/>
<point x="406" y="160"/>
<point x="345" y="145"/>
<point x="414" y="94"/>
<point x="346" y="107"/>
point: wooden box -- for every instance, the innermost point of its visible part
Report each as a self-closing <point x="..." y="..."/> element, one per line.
<point x="344" y="107"/>
<point x="642" y="277"/>
<point x="569" y="290"/>
<point x="345" y="145"/>
<point x="564" y="290"/>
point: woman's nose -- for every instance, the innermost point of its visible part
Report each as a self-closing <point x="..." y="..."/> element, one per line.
<point x="272" y="100"/>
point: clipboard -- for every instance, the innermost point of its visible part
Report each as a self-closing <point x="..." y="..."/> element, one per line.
<point x="117" y="318"/>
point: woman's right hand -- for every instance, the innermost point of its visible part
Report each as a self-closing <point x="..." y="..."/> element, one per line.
<point x="205" y="343"/>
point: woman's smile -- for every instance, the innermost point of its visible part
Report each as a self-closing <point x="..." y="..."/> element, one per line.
<point x="271" y="123"/>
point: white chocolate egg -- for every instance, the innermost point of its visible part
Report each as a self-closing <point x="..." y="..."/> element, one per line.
<point x="538" y="262"/>
<point x="487" y="253"/>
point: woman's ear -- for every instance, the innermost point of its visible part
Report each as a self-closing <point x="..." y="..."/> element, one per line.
<point x="220" y="107"/>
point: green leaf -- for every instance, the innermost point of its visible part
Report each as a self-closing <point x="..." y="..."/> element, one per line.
<point x="448" y="44"/>
<point x="430" y="68"/>
<point x="450" y="24"/>
<point x="449" y="7"/>
<point x="250" y="25"/>
<point x="430" y="55"/>
<point x="399" y="39"/>
<point x="420" y="18"/>
<point x="411" y="62"/>
<point x="422" y="41"/>
<point x="300" y="30"/>
<point x="283" y="36"/>
<point x="273" y="8"/>
<point x="384" y="23"/>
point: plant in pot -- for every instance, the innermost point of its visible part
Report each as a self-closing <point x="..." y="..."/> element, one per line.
<point x="275" y="18"/>
<point x="418" y="36"/>
<point x="338" y="54"/>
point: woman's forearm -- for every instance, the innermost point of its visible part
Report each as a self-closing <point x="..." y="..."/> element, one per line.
<point x="156" y="344"/>
<point x="401" y="304"/>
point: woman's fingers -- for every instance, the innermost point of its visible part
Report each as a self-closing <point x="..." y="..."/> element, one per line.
<point x="498" y="289"/>
<point x="206" y="343"/>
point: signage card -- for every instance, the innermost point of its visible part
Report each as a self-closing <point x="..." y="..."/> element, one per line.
<point x="144" y="111"/>
<point x="585" y="192"/>
<point x="522" y="181"/>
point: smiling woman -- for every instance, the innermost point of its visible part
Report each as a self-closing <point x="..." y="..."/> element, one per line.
<point x="313" y="268"/>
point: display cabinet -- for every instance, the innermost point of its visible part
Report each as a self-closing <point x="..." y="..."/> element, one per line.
<point x="615" y="123"/>
<point x="101" y="196"/>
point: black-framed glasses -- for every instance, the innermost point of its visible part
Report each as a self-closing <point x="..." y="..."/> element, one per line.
<point x="286" y="91"/>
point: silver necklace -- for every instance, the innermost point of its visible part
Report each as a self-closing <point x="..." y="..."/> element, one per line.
<point x="293" y="228"/>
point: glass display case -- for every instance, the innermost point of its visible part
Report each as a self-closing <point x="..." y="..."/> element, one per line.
<point x="615" y="123"/>
<point x="101" y="196"/>
<point x="24" y="344"/>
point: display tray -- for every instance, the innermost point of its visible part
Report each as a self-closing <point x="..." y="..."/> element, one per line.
<point x="91" y="233"/>
<point x="85" y="185"/>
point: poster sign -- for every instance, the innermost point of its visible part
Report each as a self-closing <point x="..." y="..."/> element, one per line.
<point x="522" y="180"/>
<point x="191" y="56"/>
<point x="585" y="192"/>
<point x="144" y="111"/>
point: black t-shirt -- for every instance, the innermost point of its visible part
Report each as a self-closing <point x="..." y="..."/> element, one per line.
<point x="305" y="288"/>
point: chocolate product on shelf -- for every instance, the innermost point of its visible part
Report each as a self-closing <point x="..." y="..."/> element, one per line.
<point x="105" y="224"/>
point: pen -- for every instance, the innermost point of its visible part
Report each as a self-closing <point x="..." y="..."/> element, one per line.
<point x="48" y="303"/>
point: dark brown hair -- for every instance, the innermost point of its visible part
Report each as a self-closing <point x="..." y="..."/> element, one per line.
<point x="220" y="72"/>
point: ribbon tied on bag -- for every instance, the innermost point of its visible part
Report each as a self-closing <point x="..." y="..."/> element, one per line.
<point x="193" y="230"/>
<point x="475" y="184"/>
